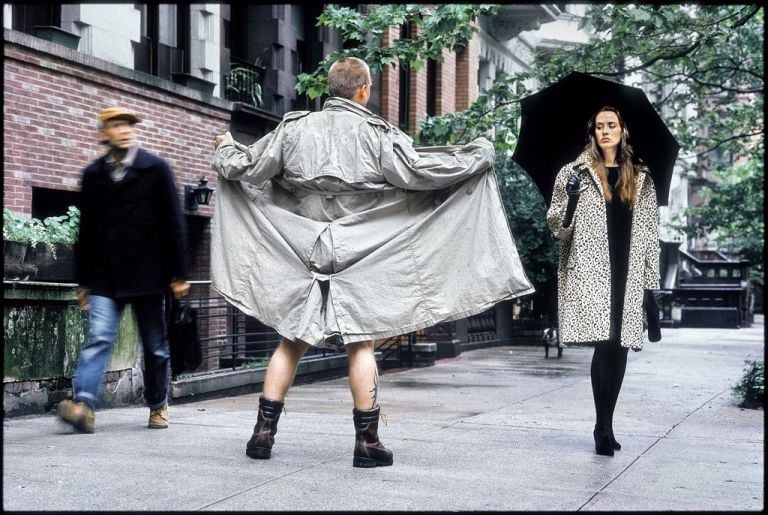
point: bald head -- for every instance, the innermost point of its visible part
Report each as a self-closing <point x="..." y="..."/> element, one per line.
<point x="346" y="76"/>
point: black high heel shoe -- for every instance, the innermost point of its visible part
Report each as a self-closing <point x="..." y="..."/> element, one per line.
<point x="603" y="443"/>
<point x="616" y="446"/>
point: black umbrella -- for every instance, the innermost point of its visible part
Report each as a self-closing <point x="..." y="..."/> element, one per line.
<point x="553" y="129"/>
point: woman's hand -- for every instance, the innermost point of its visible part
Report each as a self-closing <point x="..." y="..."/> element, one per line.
<point x="573" y="185"/>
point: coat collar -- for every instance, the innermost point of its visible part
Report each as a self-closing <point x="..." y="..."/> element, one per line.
<point x="343" y="104"/>
<point x="142" y="160"/>
<point x="585" y="161"/>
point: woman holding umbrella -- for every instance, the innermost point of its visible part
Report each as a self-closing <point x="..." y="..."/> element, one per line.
<point x="604" y="212"/>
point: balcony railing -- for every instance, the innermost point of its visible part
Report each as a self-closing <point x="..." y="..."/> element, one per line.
<point x="244" y="83"/>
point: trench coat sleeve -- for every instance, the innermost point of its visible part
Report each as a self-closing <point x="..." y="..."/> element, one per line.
<point x="556" y="211"/>
<point x="255" y="164"/>
<point x="432" y="168"/>
<point x="651" y="274"/>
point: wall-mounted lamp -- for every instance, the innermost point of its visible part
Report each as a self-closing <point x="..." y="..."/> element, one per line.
<point x="197" y="195"/>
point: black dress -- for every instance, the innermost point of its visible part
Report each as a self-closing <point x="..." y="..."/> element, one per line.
<point x="619" y="218"/>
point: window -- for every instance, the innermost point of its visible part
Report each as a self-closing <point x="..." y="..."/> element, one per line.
<point x="295" y="62"/>
<point x="49" y="202"/>
<point x="277" y="57"/>
<point x="27" y="17"/>
<point x="431" y="87"/>
<point x="297" y="18"/>
<point x="164" y="39"/>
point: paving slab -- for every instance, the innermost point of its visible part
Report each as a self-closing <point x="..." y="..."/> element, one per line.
<point x="498" y="429"/>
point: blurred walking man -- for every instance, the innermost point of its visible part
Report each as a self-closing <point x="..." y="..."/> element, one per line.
<point x="131" y="249"/>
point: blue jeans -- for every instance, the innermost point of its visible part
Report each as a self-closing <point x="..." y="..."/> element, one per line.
<point x="96" y="353"/>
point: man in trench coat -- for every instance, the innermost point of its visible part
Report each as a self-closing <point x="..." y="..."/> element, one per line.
<point x="131" y="248"/>
<point x="335" y="231"/>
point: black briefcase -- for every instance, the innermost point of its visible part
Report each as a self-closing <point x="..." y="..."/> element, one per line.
<point x="184" y="338"/>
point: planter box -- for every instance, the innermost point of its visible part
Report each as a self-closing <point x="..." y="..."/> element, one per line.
<point x="14" y="266"/>
<point x="60" y="269"/>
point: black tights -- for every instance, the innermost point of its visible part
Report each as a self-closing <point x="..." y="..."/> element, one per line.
<point x="609" y="362"/>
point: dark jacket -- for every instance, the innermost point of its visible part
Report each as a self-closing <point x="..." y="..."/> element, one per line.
<point x="132" y="237"/>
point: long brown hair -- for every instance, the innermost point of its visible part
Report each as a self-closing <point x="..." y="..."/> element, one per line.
<point x="625" y="186"/>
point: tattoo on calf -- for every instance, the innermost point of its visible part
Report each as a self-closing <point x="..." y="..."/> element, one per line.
<point x="375" y="390"/>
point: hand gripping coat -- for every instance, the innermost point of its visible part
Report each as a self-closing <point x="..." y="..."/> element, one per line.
<point x="333" y="229"/>
<point x="584" y="269"/>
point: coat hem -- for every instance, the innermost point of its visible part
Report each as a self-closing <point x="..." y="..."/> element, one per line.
<point x="359" y="337"/>
<point x="595" y="343"/>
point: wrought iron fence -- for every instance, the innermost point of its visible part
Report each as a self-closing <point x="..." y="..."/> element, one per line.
<point x="230" y="339"/>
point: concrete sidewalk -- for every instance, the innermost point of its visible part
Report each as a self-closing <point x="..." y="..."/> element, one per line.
<point x="494" y="429"/>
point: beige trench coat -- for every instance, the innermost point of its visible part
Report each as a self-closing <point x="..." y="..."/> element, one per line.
<point x="584" y="271"/>
<point x="333" y="229"/>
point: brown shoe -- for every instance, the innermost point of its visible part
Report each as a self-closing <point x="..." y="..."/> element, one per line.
<point x="78" y="414"/>
<point x="158" y="418"/>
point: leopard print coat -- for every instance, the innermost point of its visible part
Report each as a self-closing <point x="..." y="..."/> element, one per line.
<point x="584" y="271"/>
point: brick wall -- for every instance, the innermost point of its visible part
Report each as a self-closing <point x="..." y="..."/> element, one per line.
<point x="390" y="81"/>
<point x="467" y="63"/>
<point x="456" y="83"/>
<point x="445" y="96"/>
<point x="51" y="132"/>
<point x="417" y="110"/>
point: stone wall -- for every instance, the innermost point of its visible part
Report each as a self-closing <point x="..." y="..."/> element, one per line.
<point x="43" y="329"/>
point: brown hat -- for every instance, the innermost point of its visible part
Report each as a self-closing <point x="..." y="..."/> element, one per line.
<point x="118" y="113"/>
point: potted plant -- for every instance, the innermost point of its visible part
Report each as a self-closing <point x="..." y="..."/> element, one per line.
<point x="20" y="232"/>
<point x="25" y="258"/>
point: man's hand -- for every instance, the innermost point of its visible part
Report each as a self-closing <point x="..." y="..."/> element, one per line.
<point x="218" y="140"/>
<point x="180" y="288"/>
<point x="82" y="299"/>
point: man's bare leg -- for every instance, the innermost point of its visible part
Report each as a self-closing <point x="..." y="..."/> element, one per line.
<point x="364" y="385"/>
<point x="279" y="377"/>
<point x="282" y="368"/>
<point x="363" y="375"/>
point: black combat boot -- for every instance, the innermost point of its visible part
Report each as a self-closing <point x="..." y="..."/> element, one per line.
<point x="260" y="444"/>
<point x="369" y="452"/>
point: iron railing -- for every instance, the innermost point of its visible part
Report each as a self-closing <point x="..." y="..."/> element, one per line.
<point x="230" y="339"/>
<point x="244" y="83"/>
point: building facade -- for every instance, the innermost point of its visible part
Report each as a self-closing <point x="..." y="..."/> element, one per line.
<point x="193" y="71"/>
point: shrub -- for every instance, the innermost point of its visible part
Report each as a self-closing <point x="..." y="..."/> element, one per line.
<point x="751" y="387"/>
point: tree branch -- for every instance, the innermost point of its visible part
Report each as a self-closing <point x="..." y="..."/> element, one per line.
<point x="744" y="20"/>
<point x="692" y="77"/>
<point x="646" y="64"/>
<point x="726" y="140"/>
<point x="485" y="113"/>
